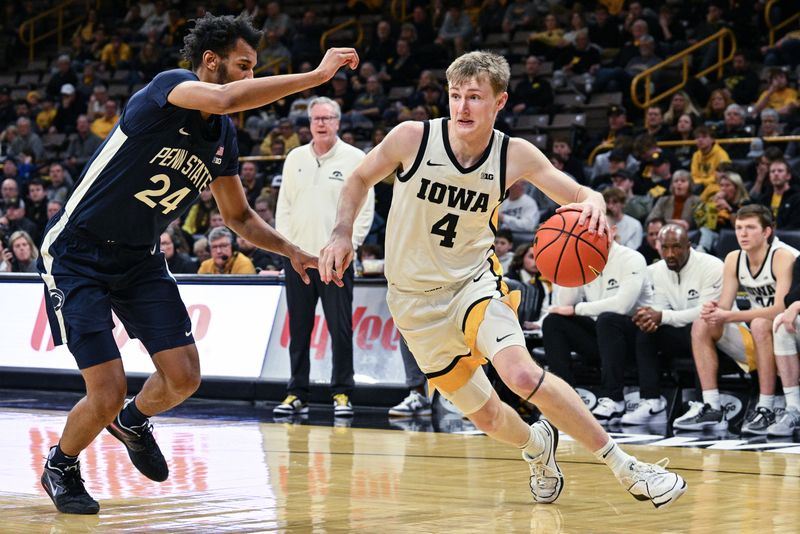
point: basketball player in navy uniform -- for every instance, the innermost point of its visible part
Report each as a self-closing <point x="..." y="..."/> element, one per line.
<point x="446" y="292"/>
<point x="101" y="251"/>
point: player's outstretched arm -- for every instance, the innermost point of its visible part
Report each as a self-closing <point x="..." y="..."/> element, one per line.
<point x="526" y="162"/>
<point x="253" y="93"/>
<point x="240" y="218"/>
<point x="395" y="151"/>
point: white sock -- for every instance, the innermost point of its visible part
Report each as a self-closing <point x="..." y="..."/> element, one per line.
<point x="766" y="401"/>
<point x="535" y="444"/>
<point x="613" y="456"/>
<point x="792" y="397"/>
<point x="711" y="397"/>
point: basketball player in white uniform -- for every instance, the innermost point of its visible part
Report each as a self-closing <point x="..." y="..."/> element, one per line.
<point x="445" y="288"/>
<point x="763" y="267"/>
<point x="786" y="342"/>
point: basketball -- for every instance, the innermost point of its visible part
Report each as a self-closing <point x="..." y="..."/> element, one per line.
<point x="566" y="253"/>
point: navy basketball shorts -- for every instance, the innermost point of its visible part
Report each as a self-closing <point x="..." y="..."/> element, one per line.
<point x="86" y="280"/>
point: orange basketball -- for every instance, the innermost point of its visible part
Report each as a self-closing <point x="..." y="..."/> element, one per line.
<point x="566" y="253"/>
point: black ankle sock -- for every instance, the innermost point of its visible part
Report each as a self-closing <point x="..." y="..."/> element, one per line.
<point x="131" y="416"/>
<point x="60" y="458"/>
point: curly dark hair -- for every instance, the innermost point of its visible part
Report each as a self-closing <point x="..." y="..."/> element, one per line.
<point x="218" y="34"/>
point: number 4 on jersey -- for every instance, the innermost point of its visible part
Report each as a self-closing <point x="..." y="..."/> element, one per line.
<point x="170" y="202"/>
<point x="446" y="227"/>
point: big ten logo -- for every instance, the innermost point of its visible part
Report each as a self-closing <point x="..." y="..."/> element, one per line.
<point x="108" y="471"/>
<point x="42" y="339"/>
<point x="370" y="332"/>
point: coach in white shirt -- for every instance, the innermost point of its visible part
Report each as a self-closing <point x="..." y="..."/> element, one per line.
<point x="313" y="176"/>
<point x="683" y="281"/>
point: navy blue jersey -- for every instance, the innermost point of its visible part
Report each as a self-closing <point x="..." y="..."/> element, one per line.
<point x="150" y="168"/>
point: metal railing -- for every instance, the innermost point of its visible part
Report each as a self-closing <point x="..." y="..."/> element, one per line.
<point x="53" y="19"/>
<point x="779" y="26"/>
<point x="723" y="57"/>
<point x="604" y="147"/>
<point x="323" y="41"/>
<point x="399" y="10"/>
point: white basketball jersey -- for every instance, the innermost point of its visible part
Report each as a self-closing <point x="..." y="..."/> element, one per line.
<point x="760" y="287"/>
<point x="443" y="217"/>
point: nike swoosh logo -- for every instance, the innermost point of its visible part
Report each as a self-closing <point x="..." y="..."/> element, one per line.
<point x="431" y="164"/>
<point x="189" y="333"/>
<point x="54" y="488"/>
<point x="499" y="339"/>
<point x="656" y="412"/>
<point x="478" y="277"/>
<point x="183" y="132"/>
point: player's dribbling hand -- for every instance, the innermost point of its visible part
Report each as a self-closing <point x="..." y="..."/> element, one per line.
<point x="301" y="261"/>
<point x="591" y="214"/>
<point x="335" y="258"/>
<point x="336" y="58"/>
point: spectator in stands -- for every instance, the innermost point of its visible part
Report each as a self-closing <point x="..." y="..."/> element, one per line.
<point x="382" y="44"/>
<point x="60" y="184"/>
<point x="533" y="93"/>
<point x="537" y="292"/>
<point x="63" y="75"/>
<point x="27" y="141"/>
<point x="741" y="80"/>
<point x="305" y="40"/>
<point x="82" y="145"/>
<point x="639" y="28"/>
<point x="678" y="207"/>
<point x="198" y="219"/>
<point x="88" y="81"/>
<point x="716" y="213"/>
<point x="607" y="163"/>
<point x="6" y="107"/>
<point x="654" y="124"/>
<point x="314" y="175"/>
<point x="265" y="207"/>
<point x="650" y="247"/>
<point x="549" y="41"/>
<point x="341" y="92"/>
<point x="681" y="103"/>
<point x="628" y="230"/>
<point x="617" y="124"/>
<point x="672" y="38"/>
<point x="14" y="219"/>
<point x="274" y="51"/>
<point x="251" y="182"/>
<point x="304" y="134"/>
<point x="201" y="250"/>
<point x="178" y="262"/>
<point x="224" y="260"/>
<point x="732" y="127"/>
<point x="519" y="213"/>
<point x="103" y="125"/>
<point x="714" y="112"/>
<point x="157" y="22"/>
<point x="9" y="190"/>
<point x="68" y="110"/>
<point x="572" y="165"/>
<point x="46" y="114"/>
<point x="601" y="309"/>
<point x="284" y="131"/>
<point x="707" y="157"/>
<point x="456" y="30"/>
<point x="130" y="25"/>
<point x="504" y="248"/>
<point x="148" y="62"/>
<point x="172" y="37"/>
<point x="684" y="131"/>
<point x="368" y="106"/>
<point x="215" y="219"/>
<point x="281" y="23"/>
<point x="490" y="19"/>
<point x="578" y="61"/>
<point x="604" y="31"/>
<point x="770" y="123"/>
<point x="786" y="51"/>
<point x="36" y="205"/>
<point x="116" y="54"/>
<point x="21" y="254"/>
<point x="53" y="207"/>
<point x="637" y="206"/>
<point x="711" y="24"/>
<point x="684" y="282"/>
<point x="263" y="260"/>
<point x="785" y="344"/>
<point x="722" y="327"/>
<point x="778" y="95"/>
<point x="519" y="15"/>
<point x="402" y="67"/>
<point x="782" y="197"/>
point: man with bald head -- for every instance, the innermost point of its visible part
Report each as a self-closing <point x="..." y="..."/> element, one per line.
<point x="683" y="281"/>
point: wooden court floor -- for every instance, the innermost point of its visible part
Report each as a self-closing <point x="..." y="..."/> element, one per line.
<point x="270" y="477"/>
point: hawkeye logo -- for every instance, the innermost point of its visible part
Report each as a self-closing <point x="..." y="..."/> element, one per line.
<point x="42" y="339"/>
<point x="693" y="294"/>
<point x="336" y="175"/>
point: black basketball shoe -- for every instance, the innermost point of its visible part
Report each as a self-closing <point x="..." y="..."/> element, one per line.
<point x="142" y="449"/>
<point x="64" y="485"/>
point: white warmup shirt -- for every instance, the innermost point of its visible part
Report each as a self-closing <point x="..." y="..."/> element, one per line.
<point x="309" y="196"/>
<point x="621" y="287"/>
<point x="679" y="296"/>
<point x="521" y="215"/>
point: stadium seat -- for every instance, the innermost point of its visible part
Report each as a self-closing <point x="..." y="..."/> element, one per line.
<point x="569" y="101"/>
<point x="531" y="122"/>
<point x="400" y="93"/>
<point x="790" y="237"/>
<point x="537" y="140"/>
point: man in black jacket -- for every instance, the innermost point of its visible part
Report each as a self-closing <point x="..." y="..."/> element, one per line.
<point x="782" y="197"/>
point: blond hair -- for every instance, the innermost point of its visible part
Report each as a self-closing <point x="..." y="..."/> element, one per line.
<point x="480" y="64"/>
